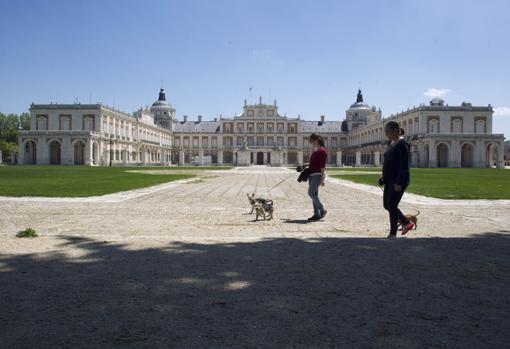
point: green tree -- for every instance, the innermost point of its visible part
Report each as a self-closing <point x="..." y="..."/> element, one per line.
<point x="9" y="132"/>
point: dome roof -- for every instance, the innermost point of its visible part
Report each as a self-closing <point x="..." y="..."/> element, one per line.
<point x="360" y="105"/>
<point x="359" y="102"/>
<point x="161" y="103"/>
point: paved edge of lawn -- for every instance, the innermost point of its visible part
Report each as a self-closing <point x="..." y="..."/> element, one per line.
<point x="108" y="198"/>
<point x="419" y="199"/>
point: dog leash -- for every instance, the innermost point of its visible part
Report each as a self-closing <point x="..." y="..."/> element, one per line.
<point x="280" y="183"/>
<point x="274" y="186"/>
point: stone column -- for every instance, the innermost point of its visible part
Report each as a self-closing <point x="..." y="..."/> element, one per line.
<point x="220" y="157"/>
<point x="88" y="152"/>
<point x="108" y="152"/>
<point x="377" y="158"/>
<point x="432" y="155"/>
<point x="455" y="154"/>
<point x="421" y="155"/>
<point x="43" y="151"/>
<point x="500" y="161"/>
<point x="21" y="157"/>
<point x="201" y="157"/>
<point x="358" y="158"/>
<point x="300" y="157"/>
<point x="339" y="158"/>
<point x="181" y="157"/>
<point x="264" y="158"/>
<point x="67" y="151"/>
<point x="479" y="154"/>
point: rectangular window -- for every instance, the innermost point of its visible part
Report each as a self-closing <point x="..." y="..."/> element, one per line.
<point x="42" y="122"/>
<point x="65" y="122"/>
<point x="260" y="141"/>
<point x="250" y="141"/>
<point x="280" y="141"/>
<point x="214" y="142"/>
<point x="205" y="142"/>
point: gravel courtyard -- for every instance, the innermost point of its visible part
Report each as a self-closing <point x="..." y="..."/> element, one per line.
<point x="187" y="267"/>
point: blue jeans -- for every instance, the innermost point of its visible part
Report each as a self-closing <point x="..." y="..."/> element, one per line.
<point x="314" y="183"/>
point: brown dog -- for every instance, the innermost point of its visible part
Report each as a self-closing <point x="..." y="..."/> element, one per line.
<point x="411" y="218"/>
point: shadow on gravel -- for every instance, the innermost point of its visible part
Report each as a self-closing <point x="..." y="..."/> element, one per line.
<point x="297" y="221"/>
<point x="277" y="293"/>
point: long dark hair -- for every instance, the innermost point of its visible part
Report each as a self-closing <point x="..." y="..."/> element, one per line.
<point x="318" y="138"/>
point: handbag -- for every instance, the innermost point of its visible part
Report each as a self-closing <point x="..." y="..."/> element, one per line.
<point x="303" y="176"/>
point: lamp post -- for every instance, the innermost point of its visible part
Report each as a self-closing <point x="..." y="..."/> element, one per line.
<point x="111" y="150"/>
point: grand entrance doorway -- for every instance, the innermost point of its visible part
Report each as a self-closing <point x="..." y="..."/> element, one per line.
<point x="260" y="158"/>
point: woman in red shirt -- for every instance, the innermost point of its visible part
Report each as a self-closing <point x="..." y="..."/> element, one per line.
<point x="317" y="166"/>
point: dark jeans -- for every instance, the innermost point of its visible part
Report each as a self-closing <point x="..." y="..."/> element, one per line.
<point x="391" y="199"/>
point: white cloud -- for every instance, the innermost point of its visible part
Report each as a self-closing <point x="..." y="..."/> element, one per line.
<point x="436" y="92"/>
<point x="502" y="111"/>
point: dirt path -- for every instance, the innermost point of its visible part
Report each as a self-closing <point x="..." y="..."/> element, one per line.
<point x="186" y="266"/>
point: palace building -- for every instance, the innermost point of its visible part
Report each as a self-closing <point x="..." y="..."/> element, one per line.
<point x="95" y="134"/>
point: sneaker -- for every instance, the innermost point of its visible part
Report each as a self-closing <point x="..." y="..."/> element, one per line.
<point x="407" y="227"/>
<point x="324" y="213"/>
<point x="314" y="218"/>
<point x="391" y="236"/>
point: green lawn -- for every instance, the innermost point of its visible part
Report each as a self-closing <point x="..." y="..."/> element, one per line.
<point x="446" y="183"/>
<point x="76" y="181"/>
<point x="187" y="168"/>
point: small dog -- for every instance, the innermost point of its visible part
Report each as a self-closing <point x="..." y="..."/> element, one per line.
<point x="412" y="219"/>
<point x="262" y="208"/>
<point x="253" y="201"/>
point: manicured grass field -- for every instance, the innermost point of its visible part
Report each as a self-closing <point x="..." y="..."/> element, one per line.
<point x="76" y="181"/>
<point x="187" y="168"/>
<point x="446" y="183"/>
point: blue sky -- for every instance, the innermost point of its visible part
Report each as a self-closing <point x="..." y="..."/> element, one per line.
<point x="310" y="55"/>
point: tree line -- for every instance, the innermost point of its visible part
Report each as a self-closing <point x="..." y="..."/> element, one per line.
<point x="10" y="124"/>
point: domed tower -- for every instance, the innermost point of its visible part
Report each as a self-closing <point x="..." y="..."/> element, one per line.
<point x="359" y="114"/>
<point x="164" y="113"/>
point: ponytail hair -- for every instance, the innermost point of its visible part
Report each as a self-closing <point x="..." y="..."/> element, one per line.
<point x="318" y="138"/>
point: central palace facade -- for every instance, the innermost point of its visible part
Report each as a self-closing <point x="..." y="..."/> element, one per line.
<point x="95" y="134"/>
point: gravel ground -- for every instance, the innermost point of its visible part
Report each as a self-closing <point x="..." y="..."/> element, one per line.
<point x="186" y="266"/>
